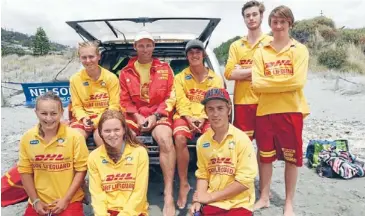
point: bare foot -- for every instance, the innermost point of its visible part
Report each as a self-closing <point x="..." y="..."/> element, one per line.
<point x="183" y="195"/>
<point x="169" y="206"/>
<point x="262" y="203"/>
<point x="270" y="194"/>
<point x="288" y="210"/>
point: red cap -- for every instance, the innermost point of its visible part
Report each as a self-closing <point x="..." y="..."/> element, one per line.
<point x="216" y="94"/>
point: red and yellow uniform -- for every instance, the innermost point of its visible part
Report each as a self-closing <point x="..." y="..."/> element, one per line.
<point x="144" y="75"/>
<point x="119" y="187"/>
<point x="91" y="98"/>
<point x="189" y="93"/>
<point x="159" y="89"/>
<point x="53" y="164"/>
<point x="223" y="163"/>
<point x="279" y="79"/>
<point x="245" y="99"/>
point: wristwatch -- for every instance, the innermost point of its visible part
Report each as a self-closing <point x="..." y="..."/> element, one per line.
<point x="158" y="116"/>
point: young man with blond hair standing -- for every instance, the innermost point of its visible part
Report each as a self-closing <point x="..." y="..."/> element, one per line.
<point x="279" y="74"/>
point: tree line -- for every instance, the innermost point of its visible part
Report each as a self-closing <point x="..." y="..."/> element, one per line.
<point x="21" y="44"/>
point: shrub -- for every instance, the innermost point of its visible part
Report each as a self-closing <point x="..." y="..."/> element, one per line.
<point x="333" y="58"/>
<point x="303" y="30"/>
<point x="325" y="21"/>
<point x="314" y="66"/>
<point x="222" y="50"/>
<point x="328" y="33"/>
<point x="352" y="67"/>
<point x="355" y="36"/>
<point x="355" y="59"/>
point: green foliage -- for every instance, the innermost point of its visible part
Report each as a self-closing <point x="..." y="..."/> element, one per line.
<point x="304" y="30"/>
<point x="333" y="58"/>
<point x="41" y="44"/>
<point x="7" y="50"/>
<point x="352" y="67"/>
<point x="222" y="50"/>
<point x="13" y="42"/>
<point x="329" y="34"/>
<point x="355" y="36"/>
<point x="324" y="21"/>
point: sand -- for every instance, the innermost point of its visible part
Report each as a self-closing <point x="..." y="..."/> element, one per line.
<point x="337" y="112"/>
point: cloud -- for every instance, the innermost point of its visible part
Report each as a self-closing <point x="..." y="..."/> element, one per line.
<point x="26" y="15"/>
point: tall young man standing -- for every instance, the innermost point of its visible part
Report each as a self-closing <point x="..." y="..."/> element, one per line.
<point x="239" y="67"/>
<point x="227" y="164"/>
<point x="279" y="74"/>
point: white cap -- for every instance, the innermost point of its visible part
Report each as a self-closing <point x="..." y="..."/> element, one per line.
<point x="143" y="35"/>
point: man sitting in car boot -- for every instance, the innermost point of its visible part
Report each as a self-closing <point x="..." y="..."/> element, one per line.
<point x="190" y="119"/>
<point x="146" y="84"/>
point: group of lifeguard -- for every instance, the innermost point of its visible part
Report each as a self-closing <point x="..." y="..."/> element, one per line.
<point x="269" y="106"/>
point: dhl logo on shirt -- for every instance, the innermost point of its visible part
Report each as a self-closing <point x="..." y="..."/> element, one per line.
<point x="49" y="157"/>
<point x="99" y="96"/>
<point x="221" y="166"/>
<point x="279" y="67"/>
<point x="97" y="100"/>
<point x="196" y="95"/>
<point x="119" y="182"/>
<point x="278" y="63"/>
<point x="119" y="177"/>
<point x="246" y="62"/>
<point x="220" y="161"/>
<point x="51" y="163"/>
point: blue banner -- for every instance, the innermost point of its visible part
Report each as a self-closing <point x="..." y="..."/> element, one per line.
<point x="33" y="90"/>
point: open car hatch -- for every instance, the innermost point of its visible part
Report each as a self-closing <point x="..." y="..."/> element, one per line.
<point x="124" y="29"/>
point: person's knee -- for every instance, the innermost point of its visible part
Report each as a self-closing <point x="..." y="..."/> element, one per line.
<point x="180" y="141"/>
<point x="97" y="139"/>
<point x="165" y="143"/>
<point x="291" y="165"/>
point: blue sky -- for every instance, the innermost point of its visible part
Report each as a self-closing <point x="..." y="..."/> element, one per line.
<point x="26" y="15"/>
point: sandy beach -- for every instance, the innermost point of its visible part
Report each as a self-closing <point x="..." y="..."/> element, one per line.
<point x="337" y="112"/>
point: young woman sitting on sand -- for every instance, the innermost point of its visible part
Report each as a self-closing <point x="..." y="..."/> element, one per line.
<point x="118" y="170"/>
<point x="93" y="90"/>
<point x="52" y="162"/>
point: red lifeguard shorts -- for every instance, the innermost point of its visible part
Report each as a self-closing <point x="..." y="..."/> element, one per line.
<point x="245" y="118"/>
<point x="212" y="210"/>
<point x="279" y="136"/>
<point x="115" y="213"/>
<point x="132" y="123"/>
<point x="79" y="124"/>
<point x="181" y="127"/>
<point x="72" y="209"/>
